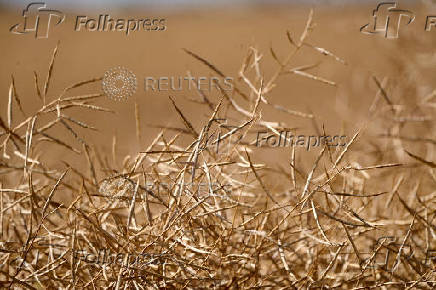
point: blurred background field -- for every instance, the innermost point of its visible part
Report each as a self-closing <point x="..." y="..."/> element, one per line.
<point x="222" y="34"/>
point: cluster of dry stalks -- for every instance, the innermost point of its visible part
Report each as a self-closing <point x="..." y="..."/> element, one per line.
<point x="357" y="219"/>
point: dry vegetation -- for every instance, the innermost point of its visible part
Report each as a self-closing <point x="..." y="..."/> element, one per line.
<point x="218" y="219"/>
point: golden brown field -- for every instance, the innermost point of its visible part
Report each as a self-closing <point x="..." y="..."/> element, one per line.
<point x="97" y="193"/>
